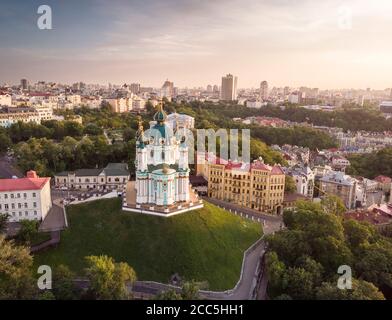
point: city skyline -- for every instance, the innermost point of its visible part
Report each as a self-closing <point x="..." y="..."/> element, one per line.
<point x="329" y="46"/>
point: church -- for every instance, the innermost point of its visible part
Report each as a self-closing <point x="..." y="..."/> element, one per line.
<point x="162" y="172"/>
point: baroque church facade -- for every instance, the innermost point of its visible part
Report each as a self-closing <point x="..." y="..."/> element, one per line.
<point x="162" y="170"/>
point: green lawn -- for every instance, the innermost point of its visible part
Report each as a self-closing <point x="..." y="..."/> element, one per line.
<point x="206" y="244"/>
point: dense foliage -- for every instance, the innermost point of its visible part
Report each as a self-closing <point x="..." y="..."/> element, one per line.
<point x="303" y="259"/>
<point x="346" y="118"/>
<point x="48" y="157"/>
<point x="208" y="115"/>
<point x="372" y="165"/>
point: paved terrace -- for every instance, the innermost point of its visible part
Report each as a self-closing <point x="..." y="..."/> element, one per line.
<point x="131" y="205"/>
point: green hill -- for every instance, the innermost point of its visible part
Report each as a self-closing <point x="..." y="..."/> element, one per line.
<point x="206" y="244"/>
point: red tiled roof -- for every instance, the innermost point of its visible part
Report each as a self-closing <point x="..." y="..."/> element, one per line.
<point x="374" y="217"/>
<point x="383" y="179"/>
<point x="23" y="184"/>
<point x="233" y="165"/>
<point x="277" y="170"/>
<point x="258" y="165"/>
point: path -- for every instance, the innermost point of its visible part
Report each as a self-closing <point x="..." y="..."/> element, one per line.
<point x="7" y="170"/>
<point x="252" y="279"/>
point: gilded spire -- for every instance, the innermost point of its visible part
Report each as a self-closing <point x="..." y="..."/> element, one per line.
<point x="140" y="123"/>
<point x="160" y="115"/>
<point x="140" y="130"/>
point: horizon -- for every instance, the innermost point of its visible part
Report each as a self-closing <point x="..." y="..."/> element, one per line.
<point x="326" y="45"/>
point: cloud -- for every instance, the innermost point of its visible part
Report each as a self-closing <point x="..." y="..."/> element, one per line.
<point x="195" y="42"/>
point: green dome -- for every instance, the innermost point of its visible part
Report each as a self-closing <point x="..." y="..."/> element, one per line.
<point x="160" y="115"/>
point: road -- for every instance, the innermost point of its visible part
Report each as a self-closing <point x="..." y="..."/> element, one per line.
<point x="251" y="266"/>
<point x="7" y="170"/>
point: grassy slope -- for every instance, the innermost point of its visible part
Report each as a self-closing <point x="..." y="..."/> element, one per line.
<point x="206" y="244"/>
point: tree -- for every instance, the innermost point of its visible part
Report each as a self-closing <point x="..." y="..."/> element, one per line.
<point x="358" y="234"/>
<point x="93" y="129"/>
<point x="275" y="271"/>
<point x="63" y="284"/>
<point x="169" y="295"/>
<point x="15" y="271"/>
<point x="108" y="279"/>
<point x="333" y="204"/>
<point x="5" y="142"/>
<point x="4" y="217"/>
<point x="46" y="295"/>
<point x="362" y="290"/>
<point x="290" y="186"/>
<point x="190" y="290"/>
<point x="374" y="263"/>
<point x="28" y="229"/>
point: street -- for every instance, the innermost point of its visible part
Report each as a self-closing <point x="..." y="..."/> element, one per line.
<point x="7" y="170"/>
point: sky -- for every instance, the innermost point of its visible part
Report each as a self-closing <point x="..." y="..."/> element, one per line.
<point x="324" y="44"/>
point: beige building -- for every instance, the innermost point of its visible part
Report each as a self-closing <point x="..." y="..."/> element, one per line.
<point x="257" y="185"/>
<point x="11" y="115"/>
<point x="113" y="177"/>
<point x="343" y="186"/>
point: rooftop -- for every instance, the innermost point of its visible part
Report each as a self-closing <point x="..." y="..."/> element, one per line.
<point x="31" y="182"/>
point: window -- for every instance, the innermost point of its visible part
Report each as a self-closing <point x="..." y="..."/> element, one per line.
<point x="6" y="196"/>
<point x="35" y="204"/>
<point x="34" y="194"/>
<point x="25" y="205"/>
<point x="35" y="212"/>
<point x="25" y="195"/>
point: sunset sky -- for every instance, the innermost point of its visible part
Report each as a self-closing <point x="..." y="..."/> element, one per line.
<point x="194" y="43"/>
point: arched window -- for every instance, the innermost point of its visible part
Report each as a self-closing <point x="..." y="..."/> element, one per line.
<point x="163" y="155"/>
<point x="152" y="153"/>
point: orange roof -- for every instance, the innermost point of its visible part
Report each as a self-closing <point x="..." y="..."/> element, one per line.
<point x="32" y="182"/>
<point x="383" y="179"/>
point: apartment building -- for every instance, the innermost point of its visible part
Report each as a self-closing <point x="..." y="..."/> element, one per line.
<point x="11" y="115"/>
<point x="25" y="198"/>
<point x="256" y="185"/>
<point x="350" y="190"/>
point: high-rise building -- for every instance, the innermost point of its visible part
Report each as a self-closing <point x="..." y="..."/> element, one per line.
<point x="135" y="88"/>
<point x="264" y="90"/>
<point x="215" y="88"/>
<point x="24" y="84"/>
<point x="229" y="88"/>
<point x="167" y="89"/>
<point x="209" y="88"/>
